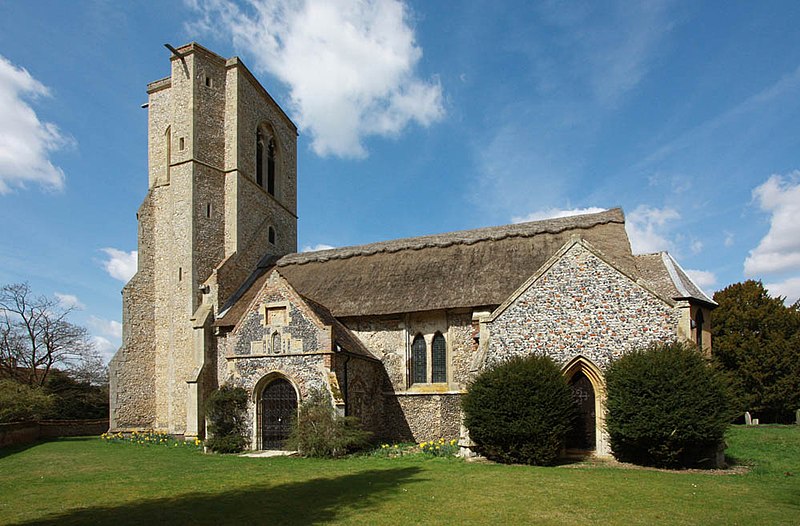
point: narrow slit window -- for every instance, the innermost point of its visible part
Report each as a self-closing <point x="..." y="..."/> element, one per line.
<point x="208" y="209"/>
<point x="698" y="327"/>
<point x="181" y="144"/>
<point x="180" y="273"/>
<point x="271" y="235"/>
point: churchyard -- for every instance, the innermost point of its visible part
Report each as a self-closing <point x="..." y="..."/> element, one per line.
<point x="88" y="480"/>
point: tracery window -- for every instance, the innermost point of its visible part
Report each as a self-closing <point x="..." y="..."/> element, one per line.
<point x="438" y="359"/>
<point x="419" y="363"/>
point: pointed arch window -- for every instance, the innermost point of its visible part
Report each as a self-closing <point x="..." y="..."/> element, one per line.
<point x="419" y="362"/>
<point x="438" y="359"/>
<point x="266" y="160"/>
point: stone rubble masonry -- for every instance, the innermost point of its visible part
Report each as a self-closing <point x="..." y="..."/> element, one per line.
<point x="581" y="305"/>
<point x="203" y="221"/>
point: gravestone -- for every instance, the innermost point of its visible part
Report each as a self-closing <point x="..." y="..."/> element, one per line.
<point x="748" y="421"/>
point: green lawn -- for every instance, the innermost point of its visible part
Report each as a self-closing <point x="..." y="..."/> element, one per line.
<point x="80" y="481"/>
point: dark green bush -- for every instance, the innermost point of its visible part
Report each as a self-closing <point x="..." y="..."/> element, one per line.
<point x="319" y="432"/>
<point x="226" y="410"/>
<point x="666" y="407"/>
<point x="520" y="411"/>
<point x="73" y="399"/>
<point x="22" y="402"/>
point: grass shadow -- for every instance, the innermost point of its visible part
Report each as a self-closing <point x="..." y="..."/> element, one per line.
<point x="315" y="501"/>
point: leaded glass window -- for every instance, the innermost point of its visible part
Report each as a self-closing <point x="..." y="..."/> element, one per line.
<point x="438" y="359"/>
<point x="419" y="364"/>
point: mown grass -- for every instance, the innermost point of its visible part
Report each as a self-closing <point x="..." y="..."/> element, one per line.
<point x="87" y="481"/>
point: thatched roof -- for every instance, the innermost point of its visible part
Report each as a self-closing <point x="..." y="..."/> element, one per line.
<point x="667" y="278"/>
<point x="471" y="268"/>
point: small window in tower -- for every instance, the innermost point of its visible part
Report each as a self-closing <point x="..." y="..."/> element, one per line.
<point x="209" y="82"/>
<point x="208" y="209"/>
<point x="271" y="235"/>
<point x="181" y="144"/>
<point x="180" y="273"/>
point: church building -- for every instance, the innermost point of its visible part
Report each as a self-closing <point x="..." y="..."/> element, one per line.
<point x="394" y="330"/>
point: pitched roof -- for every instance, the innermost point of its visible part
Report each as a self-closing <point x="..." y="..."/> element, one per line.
<point x="669" y="279"/>
<point x="469" y="268"/>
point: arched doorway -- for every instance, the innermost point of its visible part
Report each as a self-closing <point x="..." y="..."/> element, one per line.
<point x="583" y="434"/>
<point x="278" y="408"/>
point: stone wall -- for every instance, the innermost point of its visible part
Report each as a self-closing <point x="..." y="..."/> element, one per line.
<point x="16" y="433"/>
<point x="422" y="417"/>
<point x="580" y="306"/>
<point x="420" y="411"/>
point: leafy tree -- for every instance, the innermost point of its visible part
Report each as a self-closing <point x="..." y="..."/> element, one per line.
<point x="319" y="432"/>
<point x="520" y="411"/>
<point x="666" y="406"/>
<point x="36" y="337"/>
<point x="757" y="342"/>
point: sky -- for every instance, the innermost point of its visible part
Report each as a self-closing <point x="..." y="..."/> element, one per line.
<point x="416" y="118"/>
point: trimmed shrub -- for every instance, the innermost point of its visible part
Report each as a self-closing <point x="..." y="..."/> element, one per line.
<point x="666" y="407"/>
<point x="319" y="432"/>
<point x="22" y="402"/>
<point x="519" y="411"/>
<point x="226" y="410"/>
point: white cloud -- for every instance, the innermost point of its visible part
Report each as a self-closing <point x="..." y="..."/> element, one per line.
<point x="349" y="66"/>
<point x="696" y="246"/>
<point x="647" y="226"/>
<point x="320" y="246"/>
<point x="552" y="213"/>
<point x="25" y="141"/>
<point x="120" y="264"/>
<point x="105" y="347"/>
<point x="790" y="288"/>
<point x="702" y="278"/>
<point x="779" y="249"/>
<point x="729" y="239"/>
<point x="69" y="301"/>
<point x="110" y="328"/>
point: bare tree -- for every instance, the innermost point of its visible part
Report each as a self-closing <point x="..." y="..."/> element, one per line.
<point x="35" y="336"/>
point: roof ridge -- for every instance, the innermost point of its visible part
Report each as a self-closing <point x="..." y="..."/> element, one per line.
<point x="460" y="237"/>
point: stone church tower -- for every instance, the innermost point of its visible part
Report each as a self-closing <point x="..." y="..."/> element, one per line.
<point x="222" y="193"/>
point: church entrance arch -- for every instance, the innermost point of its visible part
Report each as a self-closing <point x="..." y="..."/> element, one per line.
<point x="586" y="383"/>
<point x="583" y="432"/>
<point x="277" y="407"/>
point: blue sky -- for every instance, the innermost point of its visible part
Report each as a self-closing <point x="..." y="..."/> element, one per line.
<point x="417" y="118"/>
